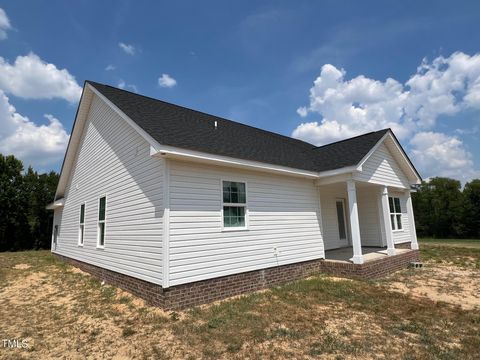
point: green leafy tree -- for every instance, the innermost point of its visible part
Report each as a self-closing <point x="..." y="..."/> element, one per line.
<point x="14" y="229"/>
<point x="438" y="208"/>
<point x="471" y="209"/>
<point x="24" y="221"/>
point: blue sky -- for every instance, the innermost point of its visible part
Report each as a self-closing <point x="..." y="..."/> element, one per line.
<point x="256" y="63"/>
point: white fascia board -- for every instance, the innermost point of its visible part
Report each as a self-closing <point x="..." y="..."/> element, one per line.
<point x="74" y="141"/>
<point x="56" y="204"/>
<point x="344" y="170"/>
<point x="402" y="153"/>
<point x="192" y="155"/>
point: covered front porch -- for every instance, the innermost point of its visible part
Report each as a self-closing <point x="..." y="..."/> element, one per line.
<point x="363" y="221"/>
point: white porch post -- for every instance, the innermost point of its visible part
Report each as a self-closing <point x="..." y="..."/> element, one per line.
<point x="411" y="221"/>
<point x="387" y="223"/>
<point x="354" y="223"/>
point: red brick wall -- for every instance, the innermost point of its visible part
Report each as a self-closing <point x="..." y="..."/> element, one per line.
<point x="201" y="292"/>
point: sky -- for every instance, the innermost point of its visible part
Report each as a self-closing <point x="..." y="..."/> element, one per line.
<point x="320" y="71"/>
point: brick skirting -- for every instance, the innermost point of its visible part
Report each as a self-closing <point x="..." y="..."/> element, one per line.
<point x="205" y="291"/>
<point x="405" y="245"/>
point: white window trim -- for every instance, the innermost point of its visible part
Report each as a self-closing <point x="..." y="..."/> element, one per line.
<point x="222" y="204"/>
<point x="101" y="247"/>
<point x="394" y="223"/>
<point x="80" y="224"/>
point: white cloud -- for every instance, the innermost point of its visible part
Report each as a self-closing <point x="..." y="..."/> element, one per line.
<point x="442" y="155"/>
<point x="32" y="78"/>
<point x="4" y="24"/>
<point x="110" y="67"/>
<point x="166" y="81"/>
<point x="39" y="145"/>
<point x="346" y="108"/>
<point x="129" y="49"/>
<point x="123" y="85"/>
<point x="445" y="86"/>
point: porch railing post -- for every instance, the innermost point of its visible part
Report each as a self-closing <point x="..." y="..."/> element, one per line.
<point x="387" y="222"/>
<point x="354" y="223"/>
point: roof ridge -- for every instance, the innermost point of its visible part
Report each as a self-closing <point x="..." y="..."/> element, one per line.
<point x="351" y="138"/>
<point x="271" y="133"/>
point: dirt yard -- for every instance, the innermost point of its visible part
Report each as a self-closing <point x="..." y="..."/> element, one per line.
<point x="60" y="312"/>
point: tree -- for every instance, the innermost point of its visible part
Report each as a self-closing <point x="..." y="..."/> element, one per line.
<point x="438" y="208"/>
<point x="471" y="209"/>
<point x="14" y="230"/>
<point x="24" y="221"/>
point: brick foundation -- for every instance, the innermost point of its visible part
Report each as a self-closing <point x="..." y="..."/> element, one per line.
<point x="406" y="245"/>
<point x="201" y="292"/>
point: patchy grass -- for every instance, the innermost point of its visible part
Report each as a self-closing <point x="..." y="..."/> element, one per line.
<point x="457" y="243"/>
<point x="61" y="310"/>
<point x="462" y="253"/>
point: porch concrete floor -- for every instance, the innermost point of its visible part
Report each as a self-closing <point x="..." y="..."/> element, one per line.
<point x="369" y="253"/>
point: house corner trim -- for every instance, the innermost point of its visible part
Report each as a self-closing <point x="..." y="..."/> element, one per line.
<point x="166" y="225"/>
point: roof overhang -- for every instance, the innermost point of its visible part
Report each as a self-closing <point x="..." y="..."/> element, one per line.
<point x="77" y="130"/>
<point x="56" y="204"/>
<point x="170" y="152"/>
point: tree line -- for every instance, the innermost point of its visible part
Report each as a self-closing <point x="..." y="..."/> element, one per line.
<point x="442" y="208"/>
<point x="24" y="221"/>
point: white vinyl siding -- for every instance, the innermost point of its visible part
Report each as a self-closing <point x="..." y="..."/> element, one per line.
<point x="329" y="194"/>
<point x="114" y="159"/>
<point x="381" y="168"/>
<point x="284" y="223"/>
<point x="368" y="215"/>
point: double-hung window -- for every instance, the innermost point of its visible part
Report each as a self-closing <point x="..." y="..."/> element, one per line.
<point x="102" y="205"/>
<point x="395" y="213"/>
<point x="234" y="205"/>
<point x="81" y="228"/>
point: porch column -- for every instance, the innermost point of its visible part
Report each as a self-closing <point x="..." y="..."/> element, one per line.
<point x="411" y="221"/>
<point x="387" y="222"/>
<point x="354" y="223"/>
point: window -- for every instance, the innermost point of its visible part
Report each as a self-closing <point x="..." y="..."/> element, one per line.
<point x="395" y="213"/>
<point x="102" y="204"/>
<point x="81" y="228"/>
<point x="234" y="204"/>
<point x="55" y="234"/>
<point x="341" y="220"/>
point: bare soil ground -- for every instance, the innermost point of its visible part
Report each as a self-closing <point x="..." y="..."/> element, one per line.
<point x="430" y="313"/>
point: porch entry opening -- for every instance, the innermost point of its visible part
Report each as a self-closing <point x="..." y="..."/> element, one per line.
<point x="342" y="221"/>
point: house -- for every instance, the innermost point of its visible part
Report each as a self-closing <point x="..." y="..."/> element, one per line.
<point x="181" y="207"/>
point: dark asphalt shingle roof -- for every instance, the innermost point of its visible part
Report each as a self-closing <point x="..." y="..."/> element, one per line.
<point x="181" y="127"/>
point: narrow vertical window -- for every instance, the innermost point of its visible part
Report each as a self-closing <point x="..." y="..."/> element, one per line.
<point x="81" y="228"/>
<point x="234" y="204"/>
<point x="395" y="213"/>
<point x="55" y="234"/>
<point x="102" y="204"/>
